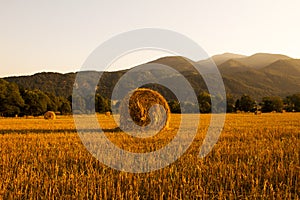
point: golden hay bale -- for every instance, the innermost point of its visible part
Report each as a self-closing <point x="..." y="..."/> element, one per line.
<point x="258" y="112"/>
<point x="147" y="108"/>
<point x="29" y="117"/>
<point x="49" y="115"/>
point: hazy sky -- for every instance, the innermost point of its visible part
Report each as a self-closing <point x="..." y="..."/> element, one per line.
<point x="58" y="35"/>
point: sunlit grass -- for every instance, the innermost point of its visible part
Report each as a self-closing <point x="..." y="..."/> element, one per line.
<point x="255" y="157"/>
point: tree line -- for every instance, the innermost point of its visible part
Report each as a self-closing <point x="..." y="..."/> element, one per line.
<point x="245" y="103"/>
<point x="18" y="101"/>
<point x="23" y="102"/>
<point x="290" y="103"/>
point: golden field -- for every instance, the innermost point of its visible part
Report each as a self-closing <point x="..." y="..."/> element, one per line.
<point x="256" y="157"/>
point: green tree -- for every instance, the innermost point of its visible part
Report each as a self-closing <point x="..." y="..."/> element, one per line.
<point x="204" y="101"/>
<point x="78" y="104"/>
<point x="245" y="103"/>
<point x="237" y="105"/>
<point x="188" y="107"/>
<point x="64" y="106"/>
<point x="36" y="102"/>
<point x="102" y="104"/>
<point x="230" y="103"/>
<point x="293" y="103"/>
<point x="11" y="101"/>
<point x="270" y="104"/>
<point x="174" y="106"/>
<point x="53" y="102"/>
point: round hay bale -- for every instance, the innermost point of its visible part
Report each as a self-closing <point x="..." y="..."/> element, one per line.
<point x="144" y="109"/>
<point x="258" y="112"/>
<point x="49" y="115"/>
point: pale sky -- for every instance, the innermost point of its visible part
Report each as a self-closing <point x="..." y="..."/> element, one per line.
<point x="58" y="35"/>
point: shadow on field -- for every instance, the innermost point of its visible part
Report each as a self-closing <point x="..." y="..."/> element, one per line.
<point x="47" y="131"/>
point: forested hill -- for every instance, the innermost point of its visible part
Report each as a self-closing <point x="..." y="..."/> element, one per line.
<point x="56" y="83"/>
<point x="258" y="75"/>
<point x="61" y="84"/>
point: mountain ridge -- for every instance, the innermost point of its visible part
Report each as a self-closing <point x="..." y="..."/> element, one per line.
<point x="279" y="77"/>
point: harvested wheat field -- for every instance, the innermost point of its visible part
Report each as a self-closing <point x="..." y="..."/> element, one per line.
<point x="256" y="157"/>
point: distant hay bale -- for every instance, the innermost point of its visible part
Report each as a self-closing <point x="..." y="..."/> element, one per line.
<point x="49" y="115"/>
<point x="258" y="112"/>
<point x="29" y="117"/>
<point x="146" y="108"/>
<point x="107" y="113"/>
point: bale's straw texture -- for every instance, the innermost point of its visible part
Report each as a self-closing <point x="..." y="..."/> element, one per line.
<point x="147" y="108"/>
<point x="50" y="115"/>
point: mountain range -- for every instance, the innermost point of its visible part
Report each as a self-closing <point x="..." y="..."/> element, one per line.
<point x="258" y="75"/>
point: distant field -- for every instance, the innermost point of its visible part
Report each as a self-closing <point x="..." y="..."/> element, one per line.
<point x="256" y="157"/>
